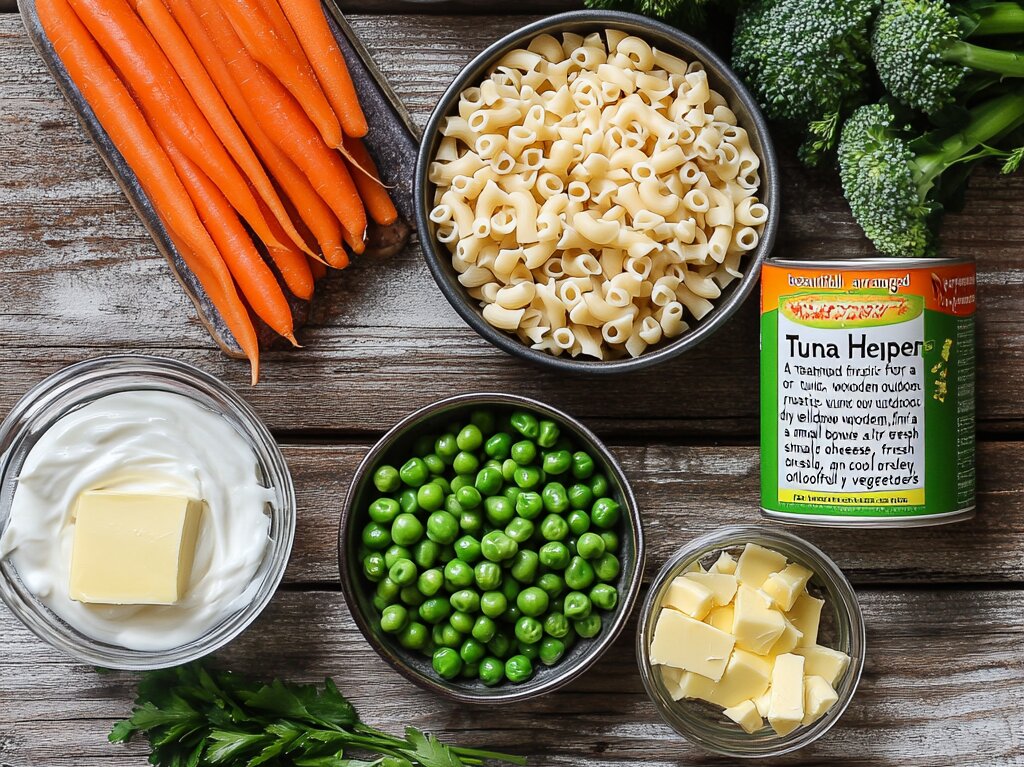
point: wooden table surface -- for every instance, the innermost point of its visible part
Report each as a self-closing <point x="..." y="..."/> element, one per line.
<point x="944" y="679"/>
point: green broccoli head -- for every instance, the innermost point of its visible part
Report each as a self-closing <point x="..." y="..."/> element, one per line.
<point x="881" y="181"/>
<point x="687" y="13"/>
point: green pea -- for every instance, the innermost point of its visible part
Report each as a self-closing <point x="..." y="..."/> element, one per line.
<point x="589" y="626"/>
<point x="511" y="615"/>
<point x="461" y="622"/>
<point x="447" y="555"/>
<point x="557" y="462"/>
<point x="442" y="527"/>
<point x="435" y="465"/>
<point x="488" y="481"/>
<point x="492" y="464"/>
<point x="499" y="510"/>
<point x="524" y="452"/>
<point x="386" y="479"/>
<point x="555" y="499"/>
<point x="524" y="566"/>
<point x="552" y="584"/>
<point x="460" y="481"/>
<point x="374" y="566"/>
<point x="452" y="506"/>
<point x="555" y="555"/>
<point x="376" y="537"/>
<point x="414" y="636"/>
<point x="470" y="438"/>
<point x="430" y="496"/>
<point x="446" y="447"/>
<point x="423" y="444"/>
<point x="599" y="485"/>
<point x="547" y="433"/>
<point x="414" y="472"/>
<point x="605" y="513"/>
<point x="394" y="619"/>
<point x="512" y="492"/>
<point x="510" y="588"/>
<point x="579" y="522"/>
<point x="499" y="446"/>
<point x="518" y="669"/>
<point x="447" y="663"/>
<point x="484" y="629"/>
<point x="469" y="671"/>
<point x="384" y="510"/>
<point x="498" y="547"/>
<point x="532" y="601"/>
<point x="469" y="497"/>
<point x="483" y="420"/>
<point x="590" y="546"/>
<point x="403" y="572"/>
<point x="500" y="644"/>
<point x="606" y="567"/>
<point x="443" y="483"/>
<point x="528" y="650"/>
<point x="487" y="575"/>
<point x="472" y="651"/>
<point x="554" y="528"/>
<point x="611" y="540"/>
<point x="529" y="505"/>
<point x="457" y="575"/>
<point x="465" y="463"/>
<point x="582" y="465"/>
<point x="493" y="603"/>
<point x="580" y="497"/>
<point x="379" y="603"/>
<point x="526" y="424"/>
<point x="394" y="553"/>
<point x="426" y="552"/>
<point x="447" y="635"/>
<point x="551" y="651"/>
<point x="556" y="625"/>
<point x="471" y="522"/>
<point x="577" y="605"/>
<point x="465" y="601"/>
<point x="492" y="671"/>
<point x="508" y="469"/>
<point x="604" y="597"/>
<point x="430" y="582"/>
<point x="411" y="596"/>
<point x="519" y="530"/>
<point x="388" y="590"/>
<point x="527" y="477"/>
<point x="435" y="610"/>
<point x="407" y="501"/>
<point x="406" y="529"/>
<point x="579" y="574"/>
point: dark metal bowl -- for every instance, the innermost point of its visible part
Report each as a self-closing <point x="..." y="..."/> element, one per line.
<point x="721" y="78"/>
<point x="393" y="448"/>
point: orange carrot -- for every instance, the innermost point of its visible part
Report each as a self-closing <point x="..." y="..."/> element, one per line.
<point x="252" y="275"/>
<point x="287" y="125"/>
<point x="375" y="196"/>
<point x="291" y="263"/>
<point x="312" y="210"/>
<point x="284" y="30"/>
<point x="127" y="128"/>
<point x="310" y="24"/>
<point x="318" y="268"/>
<point x="175" y="45"/>
<point x="256" y="32"/>
<point x="164" y="98"/>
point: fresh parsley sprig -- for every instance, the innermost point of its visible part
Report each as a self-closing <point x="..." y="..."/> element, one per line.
<point x="196" y="716"/>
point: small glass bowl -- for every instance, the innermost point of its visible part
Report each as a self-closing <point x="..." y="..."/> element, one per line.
<point x="77" y="385"/>
<point x="841" y="628"/>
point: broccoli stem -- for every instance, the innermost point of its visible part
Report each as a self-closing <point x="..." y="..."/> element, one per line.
<point x="1001" y="18"/>
<point x="1006" y="63"/>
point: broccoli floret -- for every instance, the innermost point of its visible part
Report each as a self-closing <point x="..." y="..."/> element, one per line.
<point x="922" y="57"/>
<point x="686" y="13"/>
<point x="889" y="174"/>
<point x="806" y="61"/>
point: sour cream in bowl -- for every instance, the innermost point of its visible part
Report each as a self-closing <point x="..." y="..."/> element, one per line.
<point x="146" y="513"/>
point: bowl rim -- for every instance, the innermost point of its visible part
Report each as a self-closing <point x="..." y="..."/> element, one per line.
<point x="57" y="385"/>
<point x="456" y="295"/>
<point x="513" y="693"/>
<point x="734" y="535"/>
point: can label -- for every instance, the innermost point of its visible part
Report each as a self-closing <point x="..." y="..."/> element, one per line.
<point x="867" y="390"/>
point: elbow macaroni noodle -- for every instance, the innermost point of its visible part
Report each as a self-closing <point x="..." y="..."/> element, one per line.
<point x="594" y="192"/>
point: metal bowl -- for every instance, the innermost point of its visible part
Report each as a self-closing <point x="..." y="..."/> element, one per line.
<point x="721" y="78"/>
<point x="393" y="448"/>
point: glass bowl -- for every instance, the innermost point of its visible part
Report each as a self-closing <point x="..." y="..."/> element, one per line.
<point x="74" y="387"/>
<point x="841" y="628"/>
<point x="394" y="448"/>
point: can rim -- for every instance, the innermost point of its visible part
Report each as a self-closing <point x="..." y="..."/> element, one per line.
<point x="869" y="263"/>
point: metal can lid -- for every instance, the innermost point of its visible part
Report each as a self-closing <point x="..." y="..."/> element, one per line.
<point x="867" y="263"/>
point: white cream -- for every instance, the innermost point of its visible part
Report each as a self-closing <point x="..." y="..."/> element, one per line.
<point x="146" y="442"/>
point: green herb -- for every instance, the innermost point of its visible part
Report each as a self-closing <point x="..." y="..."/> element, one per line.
<point x="195" y="716"/>
<point x="1013" y="160"/>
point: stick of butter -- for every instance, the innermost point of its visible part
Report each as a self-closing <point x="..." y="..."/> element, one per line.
<point x="133" y="549"/>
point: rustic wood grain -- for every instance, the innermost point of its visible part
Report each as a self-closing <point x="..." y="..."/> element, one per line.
<point x="924" y="700"/>
<point x="80" y="278"/>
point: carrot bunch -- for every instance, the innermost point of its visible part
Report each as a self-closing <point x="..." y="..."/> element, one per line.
<point x="243" y="126"/>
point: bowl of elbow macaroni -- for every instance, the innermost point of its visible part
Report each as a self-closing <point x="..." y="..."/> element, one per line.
<point x="596" y="192"/>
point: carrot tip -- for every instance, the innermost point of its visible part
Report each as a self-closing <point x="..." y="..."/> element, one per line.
<point x="294" y="342"/>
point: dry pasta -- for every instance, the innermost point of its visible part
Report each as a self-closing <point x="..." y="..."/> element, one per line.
<point x="595" y="194"/>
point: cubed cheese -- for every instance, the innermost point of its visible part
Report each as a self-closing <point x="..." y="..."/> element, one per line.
<point x="133" y="549"/>
<point x="746" y="676"/>
<point x="725" y="563"/>
<point x="721" y="585"/>
<point x="756" y="563"/>
<point x="688" y="596"/>
<point x="784" y="587"/>
<point x="756" y="625"/>
<point x="786" y="708"/>
<point x="824" y="662"/>
<point x="819" y="697"/>
<point x="721" y="618"/>
<point x="789" y="640"/>
<point x="746" y="716"/>
<point x="763" y="702"/>
<point x="805" y="615"/>
<point x="686" y="643"/>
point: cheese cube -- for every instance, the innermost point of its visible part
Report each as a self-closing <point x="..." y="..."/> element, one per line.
<point x="819" y="697"/>
<point x="746" y="716"/>
<point x="806" y="615"/>
<point x="824" y="662"/>
<point x="685" y="643"/>
<point x="724" y="564"/>
<point x="756" y="625"/>
<point x="133" y="549"/>
<point x="688" y="596"/>
<point x="721" y="618"/>
<point x="763" y="702"/>
<point x="784" y="587"/>
<point x="721" y="585"/>
<point x="745" y="677"/>
<point x="786" y="708"/>
<point x="789" y="640"/>
<point x="756" y="563"/>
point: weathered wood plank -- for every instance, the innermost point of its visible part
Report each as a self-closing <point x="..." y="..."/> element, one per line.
<point x="80" y="278"/>
<point x="923" y="701"/>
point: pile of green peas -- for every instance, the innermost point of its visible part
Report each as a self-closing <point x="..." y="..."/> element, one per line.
<point x="493" y="548"/>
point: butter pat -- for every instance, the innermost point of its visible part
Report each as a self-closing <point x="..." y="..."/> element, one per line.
<point x="683" y="642"/>
<point x="724" y="564"/>
<point x="805" y="616"/>
<point x="746" y="676"/>
<point x="133" y="549"/>
<point x="756" y="563"/>
<point x="721" y="618"/>
<point x="755" y="624"/>
<point x="721" y="585"/>
<point x="786" y="707"/>
<point x="824" y="662"/>
<point x="688" y="596"/>
<point x="785" y="586"/>
<point x="789" y="640"/>
<point x="746" y="716"/>
<point x="819" y="697"/>
<point x="763" y="702"/>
